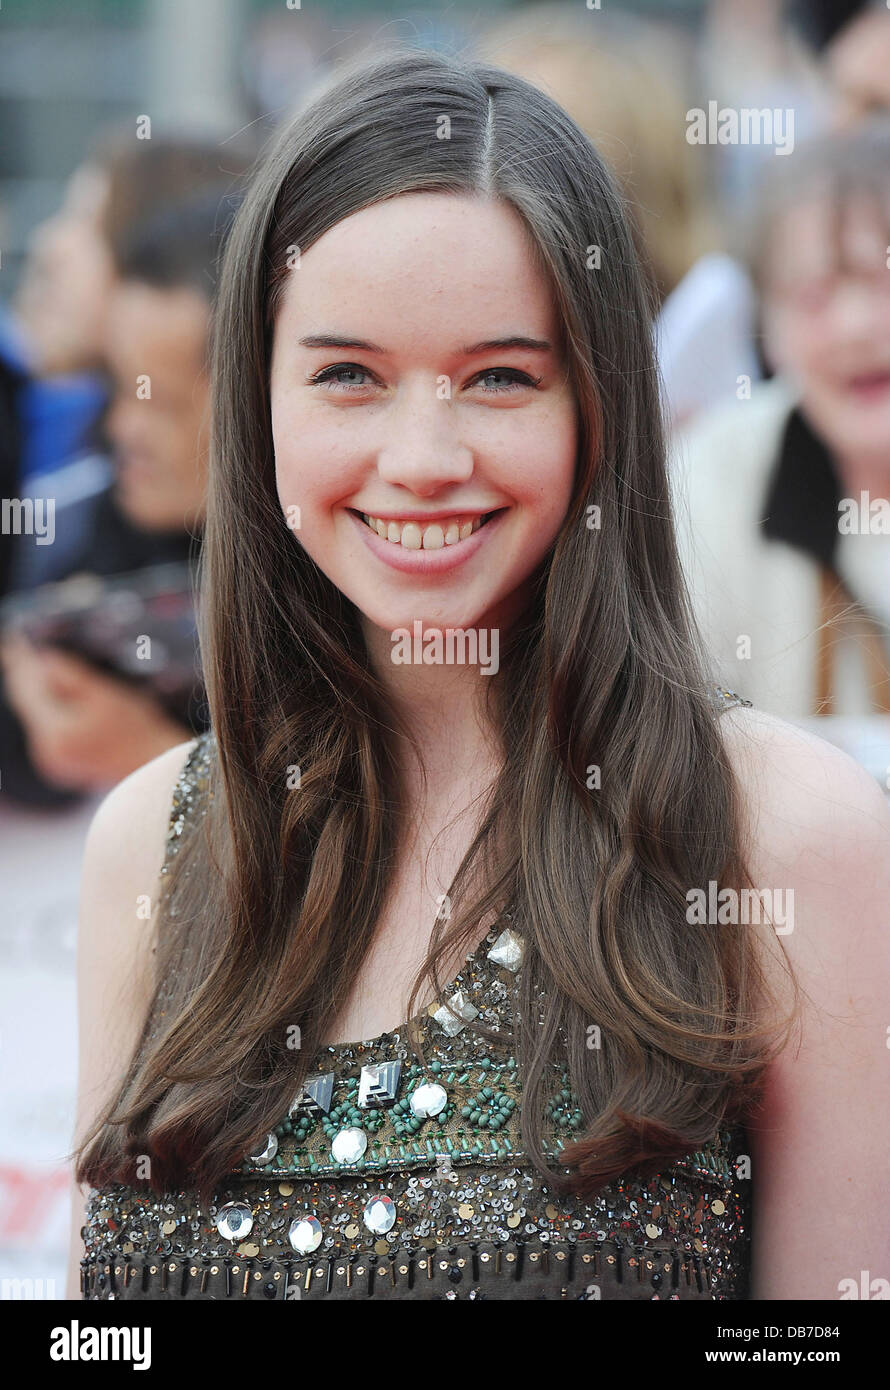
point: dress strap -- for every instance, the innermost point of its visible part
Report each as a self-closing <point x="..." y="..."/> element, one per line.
<point x="190" y="795"/>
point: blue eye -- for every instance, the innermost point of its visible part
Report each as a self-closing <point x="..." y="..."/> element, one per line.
<point x="332" y="373"/>
<point x="516" y="379"/>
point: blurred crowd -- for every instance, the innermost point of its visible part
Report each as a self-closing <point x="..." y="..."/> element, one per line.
<point x="770" y="279"/>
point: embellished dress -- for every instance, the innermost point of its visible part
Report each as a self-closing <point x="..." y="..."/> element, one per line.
<point x="387" y="1180"/>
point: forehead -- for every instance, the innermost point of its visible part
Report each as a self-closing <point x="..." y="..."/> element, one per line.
<point x="420" y="266"/>
<point x="826" y="234"/>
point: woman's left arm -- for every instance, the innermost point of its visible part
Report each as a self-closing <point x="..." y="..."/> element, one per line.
<point x="821" y="1140"/>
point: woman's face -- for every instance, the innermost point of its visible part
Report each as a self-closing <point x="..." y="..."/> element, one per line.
<point x="827" y="327"/>
<point x="409" y="418"/>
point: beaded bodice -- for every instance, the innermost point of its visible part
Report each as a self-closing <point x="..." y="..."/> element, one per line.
<point x="391" y="1179"/>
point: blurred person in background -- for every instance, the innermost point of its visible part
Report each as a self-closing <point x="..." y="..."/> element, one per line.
<point x="13" y="382"/>
<point x="625" y="82"/>
<point x="621" y="79"/>
<point x="828" y="63"/>
<point x="854" y="38"/>
<point x="785" y="544"/>
<point x="54" y="329"/>
<point x="54" y="334"/>
<point x="86" y="729"/>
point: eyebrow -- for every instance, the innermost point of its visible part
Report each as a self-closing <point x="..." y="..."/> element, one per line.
<point x="516" y="340"/>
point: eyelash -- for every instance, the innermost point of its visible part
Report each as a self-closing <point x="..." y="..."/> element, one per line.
<point x="517" y="378"/>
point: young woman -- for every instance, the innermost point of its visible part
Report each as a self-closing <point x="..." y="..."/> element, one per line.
<point x="436" y="1001"/>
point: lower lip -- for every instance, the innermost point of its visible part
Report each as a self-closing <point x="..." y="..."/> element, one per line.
<point x="432" y="562"/>
<point x="870" y="388"/>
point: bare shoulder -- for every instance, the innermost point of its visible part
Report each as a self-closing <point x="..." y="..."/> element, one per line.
<point x="810" y="809"/>
<point x="130" y="822"/>
<point x="818" y="828"/>
<point x="122" y="860"/>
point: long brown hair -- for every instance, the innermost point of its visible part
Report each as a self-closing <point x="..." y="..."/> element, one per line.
<point x="276" y="894"/>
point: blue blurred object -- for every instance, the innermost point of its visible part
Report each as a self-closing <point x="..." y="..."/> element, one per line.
<point x="57" y="416"/>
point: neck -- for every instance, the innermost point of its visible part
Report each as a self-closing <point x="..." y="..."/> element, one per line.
<point x="441" y="706"/>
<point x="869" y="472"/>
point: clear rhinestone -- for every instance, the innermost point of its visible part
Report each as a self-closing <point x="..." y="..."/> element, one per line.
<point x="507" y="950"/>
<point x="349" y="1145"/>
<point x="304" y="1234"/>
<point x="315" y="1095"/>
<point x="457" y="1004"/>
<point x="234" y="1221"/>
<point x="428" y="1100"/>
<point x="380" y="1214"/>
<point x="266" y="1154"/>
<point x="378" y="1084"/>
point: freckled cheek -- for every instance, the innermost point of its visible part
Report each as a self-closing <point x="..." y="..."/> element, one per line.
<point x="542" y="473"/>
<point x="308" y="471"/>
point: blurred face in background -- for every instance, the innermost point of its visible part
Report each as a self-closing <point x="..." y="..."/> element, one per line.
<point x="156" y="341"/>
<point x="826" y="320"/>
<point x="67" y="280"/>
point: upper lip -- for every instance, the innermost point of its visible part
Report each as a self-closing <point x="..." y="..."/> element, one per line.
<point x="451" y="514"/>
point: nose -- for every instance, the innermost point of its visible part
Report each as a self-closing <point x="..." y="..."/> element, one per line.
<point x="422" y="450"/>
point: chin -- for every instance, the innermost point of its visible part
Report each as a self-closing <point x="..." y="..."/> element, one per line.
<point x="390" y="622"/>
<point x="854" y="441"/>
<point x="144" y="512"/>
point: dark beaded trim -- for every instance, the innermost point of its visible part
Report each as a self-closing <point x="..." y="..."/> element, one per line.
<point x="582" y="1270"/>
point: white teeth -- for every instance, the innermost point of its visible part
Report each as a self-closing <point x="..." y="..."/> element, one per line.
<point x="433" y="536"/>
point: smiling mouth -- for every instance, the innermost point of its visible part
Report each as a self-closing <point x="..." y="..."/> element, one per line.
<point x="431" y="535"/>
